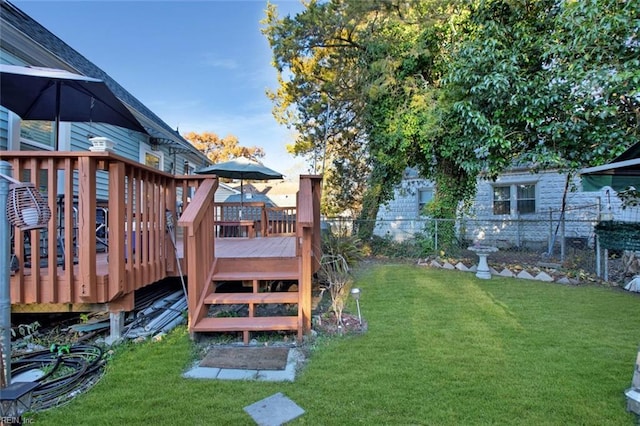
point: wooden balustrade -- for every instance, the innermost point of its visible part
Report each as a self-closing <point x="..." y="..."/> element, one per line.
<point x="61" y="264"/>
<point x="267" y="220"/>
<point x="309" y="248"/>
<point x="198" y="222"/>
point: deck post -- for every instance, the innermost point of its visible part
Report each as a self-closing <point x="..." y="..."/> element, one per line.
<point x="116" y="326"/>
<point x="87" y="227"/>
<point x="305" y="280"/>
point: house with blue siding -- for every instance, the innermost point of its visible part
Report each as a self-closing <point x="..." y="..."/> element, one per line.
<point x="25" y="42"/>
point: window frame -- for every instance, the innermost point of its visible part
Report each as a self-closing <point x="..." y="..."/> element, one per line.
<point x="514" y="200"/>
<point x="145" y="150"/>
<point x="419" y="202"/>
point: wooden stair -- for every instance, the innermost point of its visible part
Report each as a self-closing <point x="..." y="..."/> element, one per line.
<point x="257" y="271"/>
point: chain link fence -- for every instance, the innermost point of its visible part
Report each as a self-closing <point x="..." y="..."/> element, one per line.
<point x="554" y="239"/>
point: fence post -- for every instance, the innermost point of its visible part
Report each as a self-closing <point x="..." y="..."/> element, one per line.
<point x="598" y="258"/>
<point x="606" y="265"/>
<point x="436" y="239"/>
<point x="562" y="236"/>
<point x="550" y="242"/>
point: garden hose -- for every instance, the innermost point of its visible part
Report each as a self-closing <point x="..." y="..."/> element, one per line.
<point x="69" y="371"/>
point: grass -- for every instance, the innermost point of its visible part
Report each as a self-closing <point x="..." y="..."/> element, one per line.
<point x="443" y="348"/>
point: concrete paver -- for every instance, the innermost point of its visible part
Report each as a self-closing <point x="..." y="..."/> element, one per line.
<point x="288" y="374"/>
<point x="274" y="410"/>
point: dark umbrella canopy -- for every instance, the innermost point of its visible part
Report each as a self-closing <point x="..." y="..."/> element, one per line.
<point x="241" y="168"/>
<point x="56" y="95"/>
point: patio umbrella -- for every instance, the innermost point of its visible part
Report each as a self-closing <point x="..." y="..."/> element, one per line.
<point x="56" y="95"/>
<point x="241" y="168"/>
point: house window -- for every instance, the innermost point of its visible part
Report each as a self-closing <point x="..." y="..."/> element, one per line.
<point x="151" y="158"/>
<point x="516" y="199"/>
<point x="424" y="196"/>
<point x="501" y="199"/>
<point x="526" y="197"/>
<point x="36" y="134"/>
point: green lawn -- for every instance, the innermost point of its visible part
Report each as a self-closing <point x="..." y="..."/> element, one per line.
<point x="443" y="348"/>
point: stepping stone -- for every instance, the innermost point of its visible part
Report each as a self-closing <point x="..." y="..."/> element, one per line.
<point x="274" y="410"/>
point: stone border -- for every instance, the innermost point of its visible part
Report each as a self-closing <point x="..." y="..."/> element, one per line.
<point x="531" y="274"/>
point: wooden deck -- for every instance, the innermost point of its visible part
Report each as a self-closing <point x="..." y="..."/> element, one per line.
<point x="142" y="206"/>
<point x="256" y="247"/>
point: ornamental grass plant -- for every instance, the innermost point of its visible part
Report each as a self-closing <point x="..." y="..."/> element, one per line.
<point x="442" y="348"/>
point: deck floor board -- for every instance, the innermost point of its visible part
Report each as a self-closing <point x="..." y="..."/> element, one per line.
<point x="256" y="247"/>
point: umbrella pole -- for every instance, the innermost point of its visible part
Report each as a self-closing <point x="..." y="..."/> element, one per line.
<point x="56" y="137"/>
<point x="241" y="197"/>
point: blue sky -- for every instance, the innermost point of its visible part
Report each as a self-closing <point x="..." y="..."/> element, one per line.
<point x="199" y="65"/>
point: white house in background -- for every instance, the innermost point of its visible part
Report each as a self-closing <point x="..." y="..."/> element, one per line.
<point x="281" y="193"/>
<point x="519" y="209"/>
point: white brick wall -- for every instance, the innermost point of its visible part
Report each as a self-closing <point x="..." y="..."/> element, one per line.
<point x="400" y="217"/>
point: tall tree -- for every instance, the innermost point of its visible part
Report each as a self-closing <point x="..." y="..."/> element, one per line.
<point x="316" y="56"/>
<point x="222" y="149"/>
<point x="458" y="88"/>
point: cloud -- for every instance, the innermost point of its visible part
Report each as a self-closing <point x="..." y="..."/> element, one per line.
<point x="211" y="60"/>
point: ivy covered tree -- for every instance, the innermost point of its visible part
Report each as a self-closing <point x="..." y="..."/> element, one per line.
<point x="456" y="89"/>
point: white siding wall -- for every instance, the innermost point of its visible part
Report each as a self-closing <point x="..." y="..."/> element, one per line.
<point x="400" y="218"/>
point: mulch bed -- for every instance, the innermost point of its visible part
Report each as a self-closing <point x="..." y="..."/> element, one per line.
<point x="249" y="358"/>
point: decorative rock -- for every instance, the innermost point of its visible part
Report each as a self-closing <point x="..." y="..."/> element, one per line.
<point x="506" y="273"/>
<point x="525" y="275"/>
<point x="461" y="266"/>
<point x="435" y="264"/>
<point x="447" y="265"/>
<point x="543" y="276"/>
<point x="564" y="280"/>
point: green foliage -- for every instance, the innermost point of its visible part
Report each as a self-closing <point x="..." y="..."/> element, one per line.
<point x="342" y="244"/>
<point x="456" y="89"/>
<point x="421" y="245"/>
<point x="629" y="196"/>
<point x="340" y="252"/>
<point x="26" y="330"/>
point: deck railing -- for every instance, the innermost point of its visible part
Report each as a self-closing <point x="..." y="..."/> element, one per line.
<point x="268" y="220"/>
<point x="62" y="263"/>
<point x="198" y="223"/>
<point x="309" y="245"/>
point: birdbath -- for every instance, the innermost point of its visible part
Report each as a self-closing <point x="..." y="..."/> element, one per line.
<point x="483" y="267"/>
